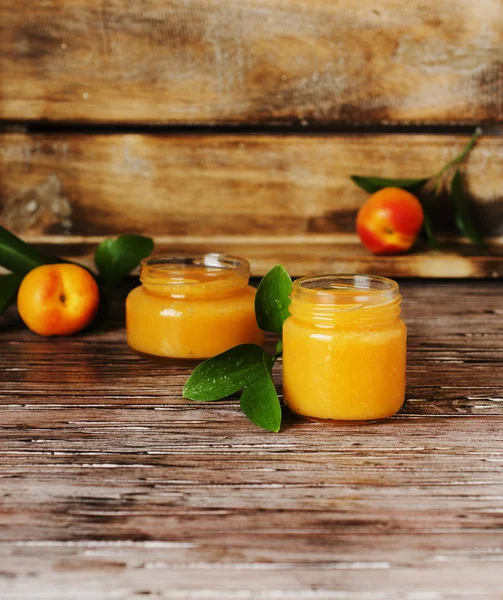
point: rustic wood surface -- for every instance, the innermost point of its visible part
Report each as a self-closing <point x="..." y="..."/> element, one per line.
<point x="113" y="487"/>
<point x="207" y="185"/>
<point x="271" y="198"/>
<point x="252" y="61"/>
<point x="304" y="255"/>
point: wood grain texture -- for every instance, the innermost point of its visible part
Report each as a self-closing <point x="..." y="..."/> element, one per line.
<point x="269" y="198"/>
<point x="309" y="255"/>
<point x="252" y="61"/>
<point x="207" y="185"/>
<point x="113" y="487"/>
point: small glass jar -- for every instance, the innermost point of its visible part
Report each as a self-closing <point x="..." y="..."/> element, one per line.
<point x="190" y="308"/>
<point x="344" y="348"/>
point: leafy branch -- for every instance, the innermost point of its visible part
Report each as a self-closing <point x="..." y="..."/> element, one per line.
<point x="428" y="188"/>
<point x="247" y="367"/>
<point x="114" y="258"/>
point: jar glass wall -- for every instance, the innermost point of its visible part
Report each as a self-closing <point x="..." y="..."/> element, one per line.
<point x="190" y="308"/>
<point x="344" y="348"/>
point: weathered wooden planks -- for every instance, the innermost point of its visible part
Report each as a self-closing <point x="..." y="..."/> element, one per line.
<point x="113" y="487"/>
<point x="208" y="185"/>
<point x="303" y="255"/>
<point x="270" y="198"/>
<point x="253" y="61"/>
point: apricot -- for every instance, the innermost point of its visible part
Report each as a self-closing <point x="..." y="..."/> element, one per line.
<point x="389" y="221"/>
<point x="58" y="299"/>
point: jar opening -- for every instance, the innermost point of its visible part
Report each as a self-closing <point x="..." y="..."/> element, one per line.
<point x="180" y="275"/>
<point x="345" y="300"/>
<point x="345" y="292"/>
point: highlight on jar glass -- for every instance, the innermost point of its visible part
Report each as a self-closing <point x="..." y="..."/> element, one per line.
<point x="344" y="348"/>
<point x="190" y="308"/>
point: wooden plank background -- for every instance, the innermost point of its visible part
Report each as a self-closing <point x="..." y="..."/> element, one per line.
<point x="252" y="61"/>
<point x="143" y="74"/>
<point x="209" y="185"/>
<point x="267" y="197"/>
<point x="115" y="488"/>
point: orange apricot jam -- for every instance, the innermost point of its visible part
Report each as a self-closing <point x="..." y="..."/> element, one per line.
<point x="191" y="307"/>
<point x="344" y="348"/>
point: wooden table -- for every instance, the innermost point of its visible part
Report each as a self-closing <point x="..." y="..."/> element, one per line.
<point x="113" y="487"/>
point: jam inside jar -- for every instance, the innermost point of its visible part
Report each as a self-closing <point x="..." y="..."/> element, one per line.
<point x="190" y="308"/>
<point x="344" y="348"/>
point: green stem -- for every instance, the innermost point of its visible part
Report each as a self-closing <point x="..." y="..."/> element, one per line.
<point x="279" y="350"/>
<point x="461" y="156"/>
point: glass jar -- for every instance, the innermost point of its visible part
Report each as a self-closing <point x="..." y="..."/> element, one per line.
<point x="344" y="348"/>
<point x="191" y="307"/>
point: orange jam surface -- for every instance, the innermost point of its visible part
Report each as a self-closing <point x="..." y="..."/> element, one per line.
<point x="344" y="348"/>
<point x="192" y="310"/>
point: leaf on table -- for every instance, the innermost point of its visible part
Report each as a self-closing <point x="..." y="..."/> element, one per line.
<point x="462" y="212"/>
<point x="273" y="299"/>
<point x="259" y="400"/>
<point x="225" y="374"/>
<point x="374" y="184"/>
<point x="116" y="258"/>
<point x="9" y="285"/>
<point x="18" y="256"/>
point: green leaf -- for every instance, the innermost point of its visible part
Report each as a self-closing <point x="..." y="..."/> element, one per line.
<point x="259" y="400"/>
<point x="225" y="374"/>
<point x="9" y="284"/>
<point x="116" y="258"/>
<point x="374" y="184"/>
<point x="18" y="256"/>
<point x="429" y="233"/>
<point x="272" y="299"/>
<point x="462" y="213"/>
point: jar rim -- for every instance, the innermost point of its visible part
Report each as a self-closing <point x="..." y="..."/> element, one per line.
<point x="174" y="275"/>
<point x="160" y="263"/>
<point x="333" y="287"/>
